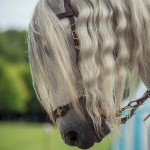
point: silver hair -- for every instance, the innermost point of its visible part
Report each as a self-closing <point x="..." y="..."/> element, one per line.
<point x="104" y="28"/>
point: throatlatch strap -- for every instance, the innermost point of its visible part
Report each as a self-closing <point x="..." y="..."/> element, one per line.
<point x="70" y="13"/>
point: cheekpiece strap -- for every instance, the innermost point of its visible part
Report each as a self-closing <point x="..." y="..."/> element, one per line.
<point x="70" y="13"/>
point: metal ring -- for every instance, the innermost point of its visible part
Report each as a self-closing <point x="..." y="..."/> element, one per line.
<point x="74" y="35"/>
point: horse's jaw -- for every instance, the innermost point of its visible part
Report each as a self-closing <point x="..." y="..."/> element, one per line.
<point x="76" y="132"/>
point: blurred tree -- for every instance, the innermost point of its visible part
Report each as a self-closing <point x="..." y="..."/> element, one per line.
<point x="16" y="91"/>
<point x="13" y="46"/>
<point x="14" y="94"/>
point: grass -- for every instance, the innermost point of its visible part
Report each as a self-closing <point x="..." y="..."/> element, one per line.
<point x="30" y="136"/>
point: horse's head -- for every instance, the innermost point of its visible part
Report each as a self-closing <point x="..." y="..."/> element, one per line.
<point x="102" y="30"/>
<point x="59" y="80"/>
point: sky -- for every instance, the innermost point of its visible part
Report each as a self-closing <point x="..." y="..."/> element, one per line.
<point x="16" y="14"/>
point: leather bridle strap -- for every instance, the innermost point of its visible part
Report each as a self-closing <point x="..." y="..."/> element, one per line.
<point x="134" y="105"/>
<point x="63" y="110"/>
<point x="70" y="13"/>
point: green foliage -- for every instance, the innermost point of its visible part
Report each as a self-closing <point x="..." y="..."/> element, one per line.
<point x="13" y="46"/>
<point x="16" y="90"/>
<point x="14" y="94"/>
<point x="33" y="105"/>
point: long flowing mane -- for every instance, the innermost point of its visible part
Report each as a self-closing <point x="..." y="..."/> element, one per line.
<point x="113" y="35"/>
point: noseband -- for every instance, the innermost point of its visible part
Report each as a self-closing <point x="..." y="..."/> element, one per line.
<point x="63" y="110"/>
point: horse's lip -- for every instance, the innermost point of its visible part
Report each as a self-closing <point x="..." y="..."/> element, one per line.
<point x="89" y="145"/>
<point x="99" y="140"/>
<point x="86" y="146"/>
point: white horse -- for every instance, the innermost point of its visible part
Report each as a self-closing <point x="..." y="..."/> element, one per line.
<point x="79" y="61"/>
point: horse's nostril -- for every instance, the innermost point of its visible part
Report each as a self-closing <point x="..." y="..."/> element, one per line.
<point x="72" y="138"/>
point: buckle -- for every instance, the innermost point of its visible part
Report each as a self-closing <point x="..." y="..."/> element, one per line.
<point x="74" y="35"/>
<point x="76" y="47"/>
<point x="59" y="111"/>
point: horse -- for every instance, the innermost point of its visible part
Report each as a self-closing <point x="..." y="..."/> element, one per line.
<point x="81" y="52"/>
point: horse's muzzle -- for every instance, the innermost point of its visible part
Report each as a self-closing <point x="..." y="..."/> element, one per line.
<point x="76" y="132"/>
<point x="74" y="138"/>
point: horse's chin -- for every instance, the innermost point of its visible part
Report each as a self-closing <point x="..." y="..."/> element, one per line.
<point x="76" y="132"/>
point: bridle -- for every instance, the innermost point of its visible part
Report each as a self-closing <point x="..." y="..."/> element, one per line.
<point x="63" y="110"/>
<point x="70" y="13"/>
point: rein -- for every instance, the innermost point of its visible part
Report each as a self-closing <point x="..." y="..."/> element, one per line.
<point x="134" y="105"/>
<point x="63" y="110"/>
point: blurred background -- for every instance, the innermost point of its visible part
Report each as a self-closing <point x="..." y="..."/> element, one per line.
<point x="24" y="125"/>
